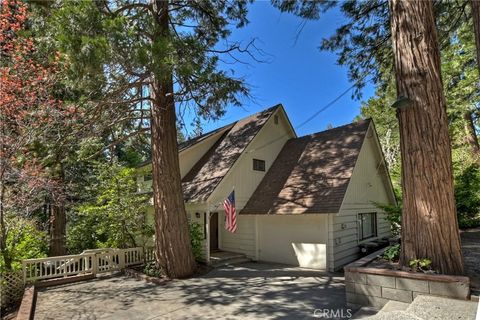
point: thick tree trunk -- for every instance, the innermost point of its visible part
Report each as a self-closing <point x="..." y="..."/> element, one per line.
<point x="471" y="135"/>
<point x="429" y="221"/>
<point x="475" y="4"/>
<point x="58" y="223"/>
<point x="172" y="239"/>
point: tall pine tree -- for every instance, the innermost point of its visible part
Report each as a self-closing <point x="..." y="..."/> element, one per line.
<point x="153" y="58"/>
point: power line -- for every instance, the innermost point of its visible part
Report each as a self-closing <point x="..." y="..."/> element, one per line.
<point x="313" y="116"/>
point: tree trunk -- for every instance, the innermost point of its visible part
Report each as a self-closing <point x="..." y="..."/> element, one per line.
<point x="58" y="223"/>
<point x="172" y="239"/>
<point x="471" y="135"/>
<point x="475" y="4"/>
<point x="429" y="221"/>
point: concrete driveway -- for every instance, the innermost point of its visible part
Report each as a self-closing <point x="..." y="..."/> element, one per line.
<point x="245" y="291"/>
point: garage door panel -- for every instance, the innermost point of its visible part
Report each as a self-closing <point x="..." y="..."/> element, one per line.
<point x="294" y="240"/>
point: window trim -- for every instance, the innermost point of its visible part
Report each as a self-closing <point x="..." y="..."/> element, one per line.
<point x="360" y="226"/>
<point x="262" y="168"/>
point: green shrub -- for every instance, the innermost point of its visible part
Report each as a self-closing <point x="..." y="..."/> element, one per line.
<point x="392" y="253"/>
<point x="24" y="241"/>
<point x="467" y="197"/>
<point x="196" y="239"/>
<point x="423" y="265"/>
<point x="115" y="215"/>
<point x="151" y="270"/>
<point x="393" y="216"/>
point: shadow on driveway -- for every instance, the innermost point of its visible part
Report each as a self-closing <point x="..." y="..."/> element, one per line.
<point x="246" y="291"/>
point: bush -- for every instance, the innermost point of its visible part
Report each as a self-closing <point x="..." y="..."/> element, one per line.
<point x="151" y="270"/>
<point x="393" y="216"/>
<point x="424" y="265"/>
<point x="467" y="197"/>
<point x="24" y="241"/>
<point x="114" y="217"/>
<point x="392" y="253"/>
<point x="196" y="239"/>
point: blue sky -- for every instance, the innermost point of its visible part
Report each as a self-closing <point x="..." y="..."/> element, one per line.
<point x="298" y="74"/>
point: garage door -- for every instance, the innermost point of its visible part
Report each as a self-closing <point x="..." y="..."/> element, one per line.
<point x="298" y="240"/>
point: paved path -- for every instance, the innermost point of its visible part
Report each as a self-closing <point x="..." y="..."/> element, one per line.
<point x="246" y="291"/>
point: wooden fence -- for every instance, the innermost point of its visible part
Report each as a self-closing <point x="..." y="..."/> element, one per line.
<point x="11" y="284"/>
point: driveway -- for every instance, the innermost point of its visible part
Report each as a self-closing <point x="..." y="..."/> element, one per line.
<point x="245" y="291"/>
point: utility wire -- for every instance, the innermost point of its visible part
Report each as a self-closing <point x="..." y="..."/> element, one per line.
<point x="313" y="116"/>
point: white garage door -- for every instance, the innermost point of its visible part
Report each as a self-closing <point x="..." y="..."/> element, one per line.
<point x="298" y="240"/>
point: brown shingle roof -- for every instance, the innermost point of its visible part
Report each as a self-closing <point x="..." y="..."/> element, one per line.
<point x="206" y="174"/>
<point x="311" y="173"/>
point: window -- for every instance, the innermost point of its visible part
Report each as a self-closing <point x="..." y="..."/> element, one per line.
<point x="275" y="119"/>
<point x="148" y="177"/>
<point x="367" y="225"/>
<point x="258" y="165"/>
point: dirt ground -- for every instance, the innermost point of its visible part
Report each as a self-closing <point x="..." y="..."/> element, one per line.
<point x="471" y="253"/>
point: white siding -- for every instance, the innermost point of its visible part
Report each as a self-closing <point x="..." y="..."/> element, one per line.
<point x="299" y="240"/>
<point x="243" y="240"/>
<point x="265" y="146"/>
<point x="241" y="177"/>
<point x="187" y="159"/>
<point x="368" y="184"/>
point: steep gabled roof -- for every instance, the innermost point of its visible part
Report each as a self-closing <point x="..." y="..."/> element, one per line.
<point x="191" y="142"/>
<point x="311" y="173"/>
<point x="206" y="174"/>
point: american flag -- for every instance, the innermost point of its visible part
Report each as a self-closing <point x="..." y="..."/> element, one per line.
<point x="230" y="212"/>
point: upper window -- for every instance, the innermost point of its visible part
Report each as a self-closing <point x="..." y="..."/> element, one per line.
<point x="367" y="225"/>
<point x="148" y="177"/>
<point x="275" y="119"/>
<point x="258" y="165"/>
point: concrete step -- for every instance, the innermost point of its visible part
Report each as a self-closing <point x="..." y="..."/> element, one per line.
<point x="395" y="306"/>
<point x="227" y="258"/>
<point x="365" y="313"/>
<point x="428" y="308"/>
<point x="368" y="312"/>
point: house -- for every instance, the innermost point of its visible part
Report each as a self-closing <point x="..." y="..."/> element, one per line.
<point x="305" y="201"/>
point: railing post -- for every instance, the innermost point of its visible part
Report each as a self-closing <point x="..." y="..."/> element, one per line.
<point x="24" y="267"/>
<point x="121" y="258"/>
<point x="94" y="264"/>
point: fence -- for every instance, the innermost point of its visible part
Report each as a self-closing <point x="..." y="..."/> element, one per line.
<point x="12" y="286"/>
<point x="88" y="262"/>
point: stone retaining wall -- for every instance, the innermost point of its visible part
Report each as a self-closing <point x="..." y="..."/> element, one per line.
<point x="375" y="287"/>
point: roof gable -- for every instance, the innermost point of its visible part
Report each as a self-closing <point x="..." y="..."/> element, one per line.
<point x="205" y="176"/>
<point x="311" y="174"/>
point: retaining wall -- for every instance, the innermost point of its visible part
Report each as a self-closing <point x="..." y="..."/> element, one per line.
<point x="375" y="286"/>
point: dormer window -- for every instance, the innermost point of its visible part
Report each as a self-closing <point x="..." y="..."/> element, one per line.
<point x="258" y="165"/>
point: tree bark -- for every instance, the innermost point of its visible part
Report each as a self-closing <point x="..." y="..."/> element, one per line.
<point x="58" y="223"/>
<point x="471" y="133"/>
<point x="475" y="5"/>
<point x="172" y="239"/>
<point x="429" y="220"/>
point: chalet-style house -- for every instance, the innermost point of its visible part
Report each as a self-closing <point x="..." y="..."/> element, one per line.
<point x="305" y="201"/>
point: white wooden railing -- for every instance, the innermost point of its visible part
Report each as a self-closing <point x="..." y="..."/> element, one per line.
<point x="93" y="261"/>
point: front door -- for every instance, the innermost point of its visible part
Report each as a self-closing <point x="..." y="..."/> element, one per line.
<point x="214" y="231"/>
